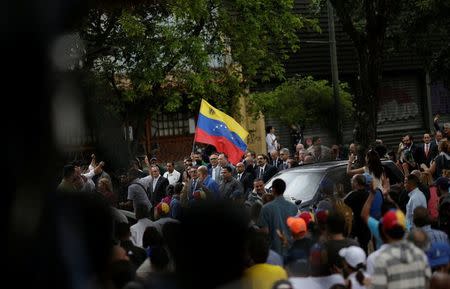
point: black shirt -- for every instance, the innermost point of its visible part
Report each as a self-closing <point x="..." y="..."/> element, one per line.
<point x="333" y="247"/>
<point x="299" y="250"/>
<point x="356" y="201"/>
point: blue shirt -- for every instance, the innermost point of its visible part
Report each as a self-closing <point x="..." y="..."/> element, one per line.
<point x="273" y="216"/>
<point x="175" y="208"/>
<point x="212" y="185"/>
<point x="375" y="209"/>
<point x="435" y="236"/>
<point x="372" y="223"/>
<point x="416" y="199"/>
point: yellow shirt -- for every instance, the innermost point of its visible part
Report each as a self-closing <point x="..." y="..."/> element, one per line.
<point x="263" y="276"/>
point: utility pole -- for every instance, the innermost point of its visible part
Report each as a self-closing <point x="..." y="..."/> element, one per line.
<point x="334" y="73"/>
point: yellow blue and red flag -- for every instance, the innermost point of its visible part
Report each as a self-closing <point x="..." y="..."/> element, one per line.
<point x="216" y="128"/>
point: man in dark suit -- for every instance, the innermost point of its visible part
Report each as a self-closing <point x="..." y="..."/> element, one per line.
<point x="275" y="159"/>
<point x="284" y="156"/>
<point x="427" y="151"/>
<point x="437" y="138"/>
<point x="264" y="170"/>
<point x="408" y="155"/>
<point x="157" y="187"/>
<point x="245" y="177"/>
<point x="193" y="185"/>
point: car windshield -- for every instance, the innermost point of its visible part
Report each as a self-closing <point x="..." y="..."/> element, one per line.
<point x="299" y="185"/>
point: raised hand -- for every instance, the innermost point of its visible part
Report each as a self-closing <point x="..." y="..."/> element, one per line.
<point x="351" y="158"/>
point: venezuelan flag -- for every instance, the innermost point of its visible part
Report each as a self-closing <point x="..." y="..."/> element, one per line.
<point x="216" y="128"/>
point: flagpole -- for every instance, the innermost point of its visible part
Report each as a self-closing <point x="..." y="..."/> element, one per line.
<point x="193" y="144"/>
<point x="195" y="134"/>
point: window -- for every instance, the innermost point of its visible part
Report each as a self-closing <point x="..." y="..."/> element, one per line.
<point x="170" y="124"/>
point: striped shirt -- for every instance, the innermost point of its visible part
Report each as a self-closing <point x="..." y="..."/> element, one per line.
<point x="401" y="266"/>
<point x="436" y="236"/>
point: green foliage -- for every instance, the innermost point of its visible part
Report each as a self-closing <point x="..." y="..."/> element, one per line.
<point x="424" y="25"/>
<point x="302" y="100"/>
<point x="167" y="55"/>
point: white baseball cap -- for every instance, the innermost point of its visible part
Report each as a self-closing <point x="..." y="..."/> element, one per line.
<point x="353" y="255"/>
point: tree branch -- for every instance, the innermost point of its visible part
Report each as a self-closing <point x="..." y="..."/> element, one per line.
<point x="98" y="44"/>
<point x="112" y="80"/>
<point x="344" y="17"/>
<point x="196" y="32"/>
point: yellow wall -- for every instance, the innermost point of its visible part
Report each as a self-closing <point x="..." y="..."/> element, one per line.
<point x="257" y="135"/>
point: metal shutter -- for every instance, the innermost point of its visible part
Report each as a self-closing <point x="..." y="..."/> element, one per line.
<point x="401" y="109"/>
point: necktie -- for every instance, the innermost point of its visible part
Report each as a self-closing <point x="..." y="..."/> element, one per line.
<point x="194" y="185"/>
<point x="239" y="177"/>
<point x="261" y="172"/>
<point x="426" y="149"/>
<point x="154" y="184"/>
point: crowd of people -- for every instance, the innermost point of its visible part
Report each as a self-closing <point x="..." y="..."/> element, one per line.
<point x="212" y="224"/>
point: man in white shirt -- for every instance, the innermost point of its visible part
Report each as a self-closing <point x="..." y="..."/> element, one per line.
<point x="416" y="199"/>
<point x="271" y="139"/>
<point x="172" y="174"/>
<point x="214" y="169"/>
<point x="143" y="221"/>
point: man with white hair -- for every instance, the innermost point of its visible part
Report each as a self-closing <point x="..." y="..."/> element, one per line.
<point x="275" y="159"/>
<point x="284" y="155"/>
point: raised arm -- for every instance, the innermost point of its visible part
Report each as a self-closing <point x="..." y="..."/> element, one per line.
<point x="365" y="212"/>
<point x="432" y="168"/>
<point x="353" y="172"/>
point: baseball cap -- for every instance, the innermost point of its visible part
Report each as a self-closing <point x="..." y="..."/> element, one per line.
<point x="308" y="217"/>
<point x="297" y="225"/>
<point x="438" y="254"/>
<point x="322" y="216"/>
<point x="353" y="255"/>
<point x="163" y="208"/>
<point x="392" y="219"/>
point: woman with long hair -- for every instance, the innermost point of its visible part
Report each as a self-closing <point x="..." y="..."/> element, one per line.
<point x="373" y="167"/>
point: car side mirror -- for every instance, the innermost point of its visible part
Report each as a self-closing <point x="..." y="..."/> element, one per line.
<point x="298" y="202"/>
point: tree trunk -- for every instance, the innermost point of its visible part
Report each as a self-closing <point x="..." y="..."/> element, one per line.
<point x="366" y="100"/>
<point x="138" y="124"/>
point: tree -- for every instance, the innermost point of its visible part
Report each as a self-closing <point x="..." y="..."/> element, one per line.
<point x="425" y="26"/>
<point x="377" y="28"/>
<point x="366" y="23"/>
<point x="166" y="55"/>
<point x="302" y="100"/>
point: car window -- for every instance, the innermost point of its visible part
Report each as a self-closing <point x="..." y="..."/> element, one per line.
<point x="299" y="185"/>
<point x="340" y="180"/>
